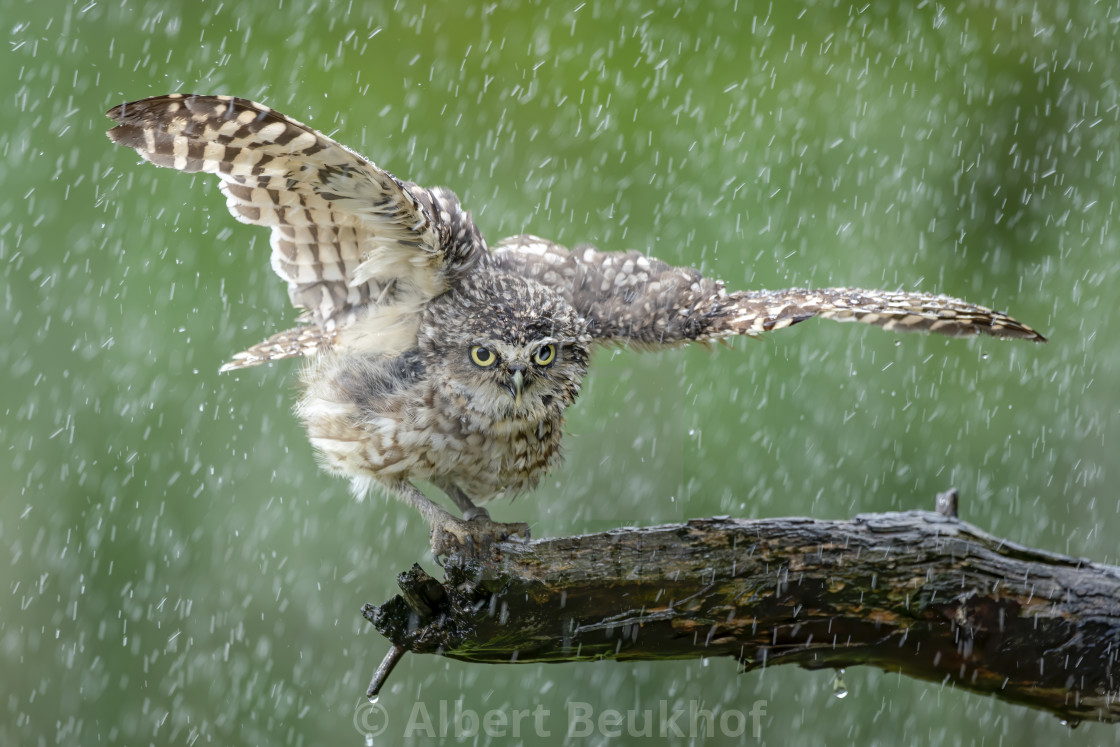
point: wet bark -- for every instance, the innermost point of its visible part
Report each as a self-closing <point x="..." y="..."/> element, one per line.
<point x="919" y="593"/>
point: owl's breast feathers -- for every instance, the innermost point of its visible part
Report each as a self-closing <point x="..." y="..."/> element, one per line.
<point x="386" y="418"/>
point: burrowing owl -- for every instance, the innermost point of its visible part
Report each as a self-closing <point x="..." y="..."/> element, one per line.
<point x="433" y="357"/>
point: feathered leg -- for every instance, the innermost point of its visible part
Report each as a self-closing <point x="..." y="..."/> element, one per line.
<point x="473" y="534"/>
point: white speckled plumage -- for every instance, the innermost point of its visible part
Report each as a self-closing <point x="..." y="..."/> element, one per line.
<point x="401" y="292"/>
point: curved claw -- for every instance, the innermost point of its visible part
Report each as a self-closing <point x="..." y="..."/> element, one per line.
<point x="474" y="536"/>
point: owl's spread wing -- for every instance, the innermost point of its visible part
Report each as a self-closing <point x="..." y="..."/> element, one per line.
<point x="628" y="298"/>
<point x="346" y="235"/>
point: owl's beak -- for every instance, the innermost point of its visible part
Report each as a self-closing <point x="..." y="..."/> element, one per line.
<point x="518" y="380"/>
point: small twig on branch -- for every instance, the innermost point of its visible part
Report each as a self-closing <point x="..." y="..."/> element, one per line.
<point x="384" y="669"/>
<point x="919" y="593"/>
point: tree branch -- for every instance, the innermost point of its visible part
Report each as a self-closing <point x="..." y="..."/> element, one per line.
<point x="917" y="592"/>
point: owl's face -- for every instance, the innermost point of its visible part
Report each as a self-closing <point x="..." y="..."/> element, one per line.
<point x="506" y="347"/>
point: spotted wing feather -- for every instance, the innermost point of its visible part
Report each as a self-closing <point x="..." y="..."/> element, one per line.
<point x="306" y="339"/>
<point x="753" y="312"/>
<point x="345" y="234"/>
<point x="629" y="298"/>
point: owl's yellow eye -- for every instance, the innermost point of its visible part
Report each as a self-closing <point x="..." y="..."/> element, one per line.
<point x="483" y="357"/>
<point x="545" y="356"/>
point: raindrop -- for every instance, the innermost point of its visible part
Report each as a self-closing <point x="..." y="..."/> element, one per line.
<point x="839" y="687"/>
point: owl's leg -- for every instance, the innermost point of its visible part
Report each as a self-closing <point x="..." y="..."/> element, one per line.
<point x="473" y="536"/>
<point x="432" y="513"/>
<point x="465" y="504"/>
<point x="477" y="516"/>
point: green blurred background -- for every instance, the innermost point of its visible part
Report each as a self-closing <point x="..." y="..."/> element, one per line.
<point x="177" y="570"/>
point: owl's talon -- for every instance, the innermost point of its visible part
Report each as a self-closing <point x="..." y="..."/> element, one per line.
<point x="474" y="537"/>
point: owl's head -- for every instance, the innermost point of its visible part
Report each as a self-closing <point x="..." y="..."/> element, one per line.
<point x="505" y="346"/>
